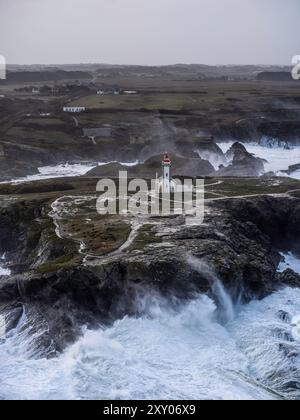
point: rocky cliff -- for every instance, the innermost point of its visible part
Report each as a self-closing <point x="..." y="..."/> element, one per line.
<point x="56" y="285"/>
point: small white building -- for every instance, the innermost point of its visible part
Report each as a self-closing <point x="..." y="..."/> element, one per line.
<point x="130" y="92"/>
<point x="74" y="109"/>
<point x="166" y="183"/>
<point x="102" y="92"/>
<point x="35" y="91"/>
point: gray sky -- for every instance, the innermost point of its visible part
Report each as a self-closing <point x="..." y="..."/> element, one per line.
<point x="150" y="31"/>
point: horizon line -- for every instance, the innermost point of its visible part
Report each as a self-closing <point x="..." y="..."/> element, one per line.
<point x="149" y="65"/>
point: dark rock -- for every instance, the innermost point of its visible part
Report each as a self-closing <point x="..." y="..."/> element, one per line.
<point x="283" y="335"/>
<point x="13" y="317"/>
<point x="242" y="163"/>
<point x="289" y="278"/>
<point x="236" y="151"/>
<point x="292" y="169"/>
<point x="284" y="316"/>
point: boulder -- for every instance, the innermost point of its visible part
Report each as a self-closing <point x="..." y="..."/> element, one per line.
<point x="242" y="163"/>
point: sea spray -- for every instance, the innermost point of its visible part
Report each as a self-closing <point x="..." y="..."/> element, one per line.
<point x="290" y="261"/>
<point x="168" y="354"/>
<point x="183" y="354"/>
<point x="3" y="271"/>
<point x="225" y="311"/>
<point x="296" y="328"/>
<point x="64" y="170"/>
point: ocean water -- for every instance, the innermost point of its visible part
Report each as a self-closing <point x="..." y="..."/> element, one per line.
<point x="278" y="158"/>
<point x="64" y="170"/>
<point x="196" y="351"/>
<point x="290" y="261"/>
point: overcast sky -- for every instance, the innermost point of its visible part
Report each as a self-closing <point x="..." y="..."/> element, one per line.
<point x="150" y="31"/>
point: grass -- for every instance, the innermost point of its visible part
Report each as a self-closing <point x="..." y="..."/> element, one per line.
<point x="231" y="187"/>
<point x="64" y="261"/>
<point x="45" y="135"/>
<point x="151" y="102"/>
<point x="47" y="121"/>
<point x="99" y="234"/>
<point x="226" y="99"/>
<point x="145" y="237"/>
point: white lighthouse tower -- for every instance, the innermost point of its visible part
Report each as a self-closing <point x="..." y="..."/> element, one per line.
<point x="166" y="166"/>
<point x="166" y="183"/>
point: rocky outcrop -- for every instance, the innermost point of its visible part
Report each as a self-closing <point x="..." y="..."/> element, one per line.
<point x="292" y="169"/>
<point x="239" y="242"/>
<point x="242" y="163"/>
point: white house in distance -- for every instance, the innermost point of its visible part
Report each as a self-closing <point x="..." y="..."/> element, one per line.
<point x="74" y="109"/>
<point x="166" y="183"/>
<point x="130" y="92"/>
<point x="103" y="92"/>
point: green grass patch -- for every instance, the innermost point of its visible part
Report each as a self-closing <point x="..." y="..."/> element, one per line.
<point x="145" y="237"/>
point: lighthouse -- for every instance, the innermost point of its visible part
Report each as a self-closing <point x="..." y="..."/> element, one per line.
<point x="166" y="166"/>
<point x="166" y="184"/>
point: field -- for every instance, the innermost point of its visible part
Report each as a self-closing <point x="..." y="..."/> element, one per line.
<point x="202" y="97"/>
<point x="173" y="105"/>
<point x="168" y="101"/>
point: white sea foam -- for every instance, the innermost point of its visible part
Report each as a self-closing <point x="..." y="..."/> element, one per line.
<point x="184" y="354"/>
<point x="290" y="261"/>
<point x="65" y="170"/>
<point x="3" y="271"/>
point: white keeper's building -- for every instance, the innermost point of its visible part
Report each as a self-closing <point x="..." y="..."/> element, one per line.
<point x="74" y="109"/>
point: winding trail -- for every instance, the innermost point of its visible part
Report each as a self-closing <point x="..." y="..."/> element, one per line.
<point x="56" y="208"/>
<point x="136" y="225"/>
<point x="92" y="138"/>
<point x="76" y="121"/>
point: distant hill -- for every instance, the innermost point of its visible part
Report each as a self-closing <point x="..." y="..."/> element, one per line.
<point x="45" y="76"/>
<point x="177" y="71"/>
<point x="280" y="76"/>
